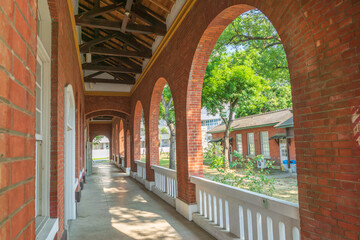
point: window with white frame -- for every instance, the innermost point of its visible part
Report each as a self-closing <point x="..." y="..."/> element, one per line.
<point x="265" y="147"/>
<point x="44" y="225"/>
<point x="239" y="147"/>
<point x="251" y="144"/>
<point x="38" y="136"/>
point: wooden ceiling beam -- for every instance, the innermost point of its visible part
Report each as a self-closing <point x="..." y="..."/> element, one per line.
<point x="100" y="11"/>
<point x="126" y="15"/>
<point x="127" y="38"/>
<point x="105" y="80"/>
<point x="123" y="76"/>
<point x="99" y="60"/>
<point x="140" y="12"/>
<point x="97" y="41"/>
<point x="160" y="6"/>
<point x="115" y="52"/>
<point x="130" y="63"/>
<point x="103" y="68"/>
<point x="116" y="26"/>
<point x="93" y="75"/>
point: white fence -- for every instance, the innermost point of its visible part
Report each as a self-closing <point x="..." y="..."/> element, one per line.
<point x="100" y="153"/>
<point x="122" y="161"/>
<point x="165" y="180"/>
<point x="141" y="169"/>
<point x="225" y="211"/>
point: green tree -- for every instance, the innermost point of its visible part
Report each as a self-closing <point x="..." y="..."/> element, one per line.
<point x="258" y="46"/>
<point x="97" y="139"/>
<point x="228" y="87"/>
<point x="167" y="113"/>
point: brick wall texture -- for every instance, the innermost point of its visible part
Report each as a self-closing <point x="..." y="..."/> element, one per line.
<point x="18" y="31"/>
<point x="322" y="42"/>
<point x="273" y="145"/>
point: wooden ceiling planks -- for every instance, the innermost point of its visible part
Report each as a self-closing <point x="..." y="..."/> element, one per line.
<point x="120" y="33"/>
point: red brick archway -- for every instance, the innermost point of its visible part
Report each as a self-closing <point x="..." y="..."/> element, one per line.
<point x="107" y="103"/>
<point x="136" y="133"/>
<point x="194" y="91"/>
<point x="100" y="129"/>
<point x="154" y="126"/>
<point x="107" y="113"/>
<point x="127" y="152"/>
<point x="323" y="75"/>
<point x="121" y="139"/>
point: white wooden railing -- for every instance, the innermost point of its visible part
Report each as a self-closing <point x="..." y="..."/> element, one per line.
<point x="122" y="161"/>
<point x="141" y="169"/>
<point x="245" y="214"/>
<point x="165" y="180"/>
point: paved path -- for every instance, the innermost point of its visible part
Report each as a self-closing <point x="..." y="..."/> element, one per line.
<point x="114" y="206"/>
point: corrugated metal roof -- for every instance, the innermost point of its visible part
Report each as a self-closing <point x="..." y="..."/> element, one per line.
<point x="263" y="119"/>
<point x="286" y="123"/>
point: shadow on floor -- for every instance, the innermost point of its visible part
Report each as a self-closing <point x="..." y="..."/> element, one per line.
<point x="114" y="206"/>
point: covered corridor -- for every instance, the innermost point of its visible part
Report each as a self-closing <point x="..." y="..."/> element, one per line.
<point x="115" y="206"/>
<point x="71" y="70"/>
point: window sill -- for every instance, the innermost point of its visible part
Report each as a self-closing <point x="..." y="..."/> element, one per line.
<point x="46" y="228"/>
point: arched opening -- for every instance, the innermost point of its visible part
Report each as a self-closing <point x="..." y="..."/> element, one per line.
<point x="142" y="138"/>
<point x="138" y="112"/>
<point x="121" y="140"/>
<point x="69" y="154"/>
<point x="100" y="149"/>
<point x="247" y="91"/>
<point x="222" y="81"/>
<point x="128" y="149"/>
<point x="162" y="126"/>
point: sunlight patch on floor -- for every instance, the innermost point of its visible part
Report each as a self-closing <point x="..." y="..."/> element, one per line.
<point x="144" y="224"/>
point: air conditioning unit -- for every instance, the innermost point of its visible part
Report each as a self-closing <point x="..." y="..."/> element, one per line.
<point x="261" y="164"/>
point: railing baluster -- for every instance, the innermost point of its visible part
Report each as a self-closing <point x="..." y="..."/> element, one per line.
<point x="270" y="228"/>
<point x="250" y="225"/>
<point x="259" y="226"/>
<point x="221" y="213"/>
<point x="227" y="216"/>
<point x="295" y="233"/>
<point x="210" y="207"/>
<point x="241" y="223"/>
<point x="205" y="205"/>
<point x="201" y="203"/>
<point x="215" y="207"/>
<point x="282" y="235"/>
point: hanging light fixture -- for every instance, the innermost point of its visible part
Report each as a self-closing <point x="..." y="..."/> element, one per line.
<point x="88" y="57"/>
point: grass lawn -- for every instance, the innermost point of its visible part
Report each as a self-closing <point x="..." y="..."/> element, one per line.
<point x="106" y="158"/>
<point x="285" y="183"/>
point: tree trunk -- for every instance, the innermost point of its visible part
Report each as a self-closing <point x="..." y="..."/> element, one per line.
<point x="172" y="163"/>
<point x="226" y="147"/>
<point x="228" y="123"/>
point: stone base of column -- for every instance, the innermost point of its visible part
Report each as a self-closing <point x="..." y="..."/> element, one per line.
<point x="185" y="209"/>
<point x="149" y="185"/>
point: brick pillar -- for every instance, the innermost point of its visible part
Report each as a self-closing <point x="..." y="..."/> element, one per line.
<point x="193" y="165"/>
<point x="128" y="148"/>
<point x="121" y="138"/>
<point x="154" y="126"/>
<point x="136" y="133"/>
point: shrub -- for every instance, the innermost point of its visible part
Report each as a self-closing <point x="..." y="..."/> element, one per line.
<point x="253" y="179"/>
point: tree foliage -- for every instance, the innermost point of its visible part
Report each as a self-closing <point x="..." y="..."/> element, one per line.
<point x="247" y="72"/>
<point x="97" y="139"/>
<point x="167" y="113"/>
<point x="253" y="40"/>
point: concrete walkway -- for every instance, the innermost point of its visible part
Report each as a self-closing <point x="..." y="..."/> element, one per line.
<point x="114" y="206"/>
